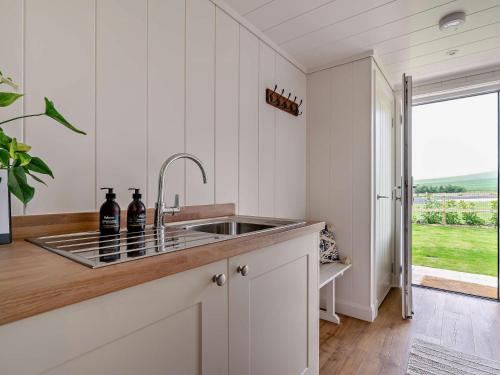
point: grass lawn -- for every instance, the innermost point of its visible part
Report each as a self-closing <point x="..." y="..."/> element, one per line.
<point x="465" y="249"/>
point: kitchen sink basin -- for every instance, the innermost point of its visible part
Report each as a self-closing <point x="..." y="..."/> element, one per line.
<point x="95" y="250"/>
<point x="232" y="228"/>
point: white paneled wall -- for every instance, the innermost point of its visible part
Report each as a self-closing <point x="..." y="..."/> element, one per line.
<point x="166" y="91"/>
<point x="290" y="149"/>
<point x="146" y="79"/>
<point x="227" y="74"/>
<point x="121" y="95"/>
<point x="200" y="90"/>
<point x="249" y="123"/>
<point x="59" y="60"/>
<point x="267" y="134"/>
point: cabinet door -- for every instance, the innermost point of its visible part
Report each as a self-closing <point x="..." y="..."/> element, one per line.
<point x="174" y="325"/>
<point x="273" y="310"/>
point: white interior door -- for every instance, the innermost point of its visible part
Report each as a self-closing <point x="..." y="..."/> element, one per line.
<point x="384" y="182"/>
<point x="407" y="300"/>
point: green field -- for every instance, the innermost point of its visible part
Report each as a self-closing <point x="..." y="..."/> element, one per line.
<point x="457" y="248"/>
<point x="486" y="181"/>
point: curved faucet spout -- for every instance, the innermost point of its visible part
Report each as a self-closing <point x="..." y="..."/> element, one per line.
<point x="161" y="210"/>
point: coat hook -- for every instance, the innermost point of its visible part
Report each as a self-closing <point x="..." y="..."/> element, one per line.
<point x="275" y="87"/>
<point x="294" y="99"/>
<point x="299" y="113"/>
<point x="289" y="95"/>
<point x="300" y="103"/>
<point x="282" y="91"/>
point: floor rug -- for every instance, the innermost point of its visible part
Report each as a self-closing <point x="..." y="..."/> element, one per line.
<point x="431" y="359"/>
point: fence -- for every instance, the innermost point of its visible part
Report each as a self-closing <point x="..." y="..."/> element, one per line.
<point x="468" y="208"/>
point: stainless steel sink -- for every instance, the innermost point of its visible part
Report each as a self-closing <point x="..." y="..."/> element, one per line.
<point x="94" y="250"/>
<point x="231" y="228"/>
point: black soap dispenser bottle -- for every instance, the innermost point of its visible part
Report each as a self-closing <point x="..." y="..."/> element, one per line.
<point x="136" y="213"/>
<point x="109" y="227"/>
<point x="136" y="224"/>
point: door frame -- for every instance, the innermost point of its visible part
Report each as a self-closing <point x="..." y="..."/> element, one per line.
<point x="407" y="198"/>
<point x="435" y="97"/>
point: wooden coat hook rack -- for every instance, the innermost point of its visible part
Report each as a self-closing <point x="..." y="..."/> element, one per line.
<point x="283" y="102"/>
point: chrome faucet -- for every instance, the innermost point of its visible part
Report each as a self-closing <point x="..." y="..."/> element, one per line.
<point x="161" y="210"/>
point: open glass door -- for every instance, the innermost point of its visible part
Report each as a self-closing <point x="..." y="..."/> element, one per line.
<point x="407" y="194"/>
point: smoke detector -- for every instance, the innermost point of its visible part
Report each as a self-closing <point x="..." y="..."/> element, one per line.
<point x="452" y="21"/>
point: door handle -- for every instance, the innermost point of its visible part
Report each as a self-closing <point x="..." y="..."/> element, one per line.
<point x="382" y="196"/>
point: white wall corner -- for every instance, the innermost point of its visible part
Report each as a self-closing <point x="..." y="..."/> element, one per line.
<point x="351" y="59"/>
<point x="259" y="34"/>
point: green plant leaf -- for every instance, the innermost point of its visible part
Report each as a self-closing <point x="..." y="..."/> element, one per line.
<point x="4" y="138"/>
<point x="23" y="147"/>
<point x="36" y="178"/>
<point x="38" y="165"/>
<point x="24" y="158"/>
<point x="13" y="148"/>
<point x="19" y="186"/>
<point x="4" y="157"/>
<point x="51" y="111"/>
<point x="7" y="98"/>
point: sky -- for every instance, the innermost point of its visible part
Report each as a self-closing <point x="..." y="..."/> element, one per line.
<point x="455" y="137"/>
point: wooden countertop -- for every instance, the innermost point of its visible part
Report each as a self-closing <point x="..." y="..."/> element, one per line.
<point x="34" y="280"/>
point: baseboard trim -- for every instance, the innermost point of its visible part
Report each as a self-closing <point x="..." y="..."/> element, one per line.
<point x="363" y="312"/>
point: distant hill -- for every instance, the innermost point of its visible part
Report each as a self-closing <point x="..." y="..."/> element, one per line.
<point x="486" y="181"/>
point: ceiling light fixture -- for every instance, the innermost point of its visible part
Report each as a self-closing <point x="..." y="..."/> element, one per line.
<point x="452" y="21"/>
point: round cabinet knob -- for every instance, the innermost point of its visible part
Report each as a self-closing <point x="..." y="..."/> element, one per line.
<point x="243" y="270"/>
<point x="219" y="279"/>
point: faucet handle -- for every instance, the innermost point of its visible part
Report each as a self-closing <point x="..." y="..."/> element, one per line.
<point x="176" y="201"/>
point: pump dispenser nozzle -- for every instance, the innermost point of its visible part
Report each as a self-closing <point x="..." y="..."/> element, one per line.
<point x="110" y="194"/>
<point x="137" y="193"/>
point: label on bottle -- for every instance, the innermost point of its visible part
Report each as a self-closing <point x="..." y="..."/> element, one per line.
<point x="110" y="222"/>
<point x="136" y="221"/>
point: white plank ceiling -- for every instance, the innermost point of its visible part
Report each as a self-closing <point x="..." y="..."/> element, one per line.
<point x="403" y="34"/>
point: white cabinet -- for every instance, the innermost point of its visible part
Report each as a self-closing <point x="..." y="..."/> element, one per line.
<point x="174" y="325"/>
<point x="265" y="322"/>
<point x="273" y="310"/>
<point x="344" y="120"/>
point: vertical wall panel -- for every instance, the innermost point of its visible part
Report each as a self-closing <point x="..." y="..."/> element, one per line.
<point x="11" y="45"/>
<point x="59" y="64"/>
<point x="121" y="96"/>
<point x="362" y="160"/>
<point x="342" y="104"/>
<point x="166" y="53"/>
<point x="226" y="108"/>
<point x="319" y="119"/>
<point x="267" y="132"/>
<point x="249" y="124"/>
<point x="290" y="183"/>
<point x="200" y="87"/>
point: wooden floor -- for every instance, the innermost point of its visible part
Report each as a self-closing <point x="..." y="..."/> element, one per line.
<point x="463" y="323"/>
